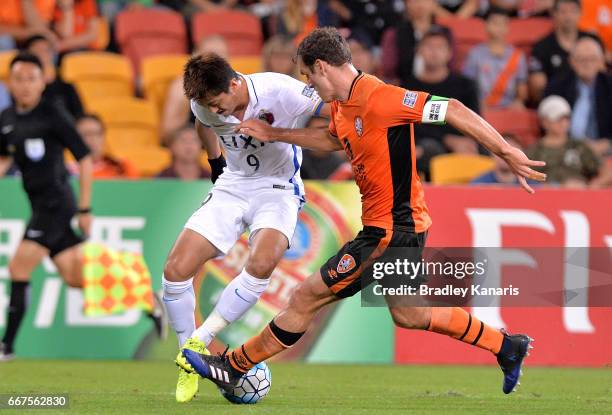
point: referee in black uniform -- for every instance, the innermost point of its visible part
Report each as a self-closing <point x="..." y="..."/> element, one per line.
<point x="35" y="134"/>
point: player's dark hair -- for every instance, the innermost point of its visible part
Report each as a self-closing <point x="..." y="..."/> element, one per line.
<point x="26" y="57"/>
<point x="558" y="2"/>
<point x="90" y="116"/>
<point x="207" y="76"/>
<point x="326" y="44"/>
<point x="33" y="39"/>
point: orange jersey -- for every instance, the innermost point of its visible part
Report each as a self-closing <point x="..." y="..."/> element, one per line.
<point x="375" y="127"/>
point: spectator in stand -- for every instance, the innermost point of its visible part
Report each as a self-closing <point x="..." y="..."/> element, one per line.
<point x="176" y="111"/>
<point x="501" y="174"/>
<point x="597" y="18"/>
<point x="362" y="52"/>
<point x="550" y="56"/>
<point x="588" y="89"/>
<point x="77" y="24"/>
<point x="189" y="7"/>
<point x="322" y="165"/>
<point x="186" y="150"/>
<point x="110" y="8"/>
<point x="459" y="8"/>
<point x="569" y="162"/>
<point x="399" y="43"/>
<point x="277" y="55"/>
<point x="371" y="16"/>
<point x="91" y="128"/>
<point x="499" y="69"/>
<point x="61" y="93"/>
<point x="435" y="50"/>
<point x="5" y="97"/>
<point x="536" y="8"/>
<point x="298" y="19"/>
<point x="511" y="7"/>
<point x="20" y="19"/>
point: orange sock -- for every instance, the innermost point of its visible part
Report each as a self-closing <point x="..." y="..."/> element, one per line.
<point x="459" y="324"/>
<point x="271" y="341"/>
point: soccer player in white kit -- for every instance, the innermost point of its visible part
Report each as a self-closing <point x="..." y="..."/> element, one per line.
<point x="259" y="189"/>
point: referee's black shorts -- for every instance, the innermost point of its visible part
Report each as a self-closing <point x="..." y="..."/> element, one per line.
<point x="50" y="227"/>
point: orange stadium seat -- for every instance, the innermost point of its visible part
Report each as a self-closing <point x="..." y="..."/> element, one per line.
<point x="241" y="30"/>
<point x="466" y="34"/>
<point x="129" y="122"/>
<point x="524" y="33"/>
<point x="148" y="159"/>
<point x="142" y="33"/>
<point x="157" y="72"/>
<point x="521" y="123"/>
<point x="5" y="60"/>
<point x="247" y="64"/>
<point x="98" y="75"/>
<point x="459" y="168"/>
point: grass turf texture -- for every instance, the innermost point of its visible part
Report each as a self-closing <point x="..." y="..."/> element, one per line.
<point x="147" y="387"/>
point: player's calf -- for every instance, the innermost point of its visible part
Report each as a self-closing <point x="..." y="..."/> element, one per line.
<point x="412" y="318"/>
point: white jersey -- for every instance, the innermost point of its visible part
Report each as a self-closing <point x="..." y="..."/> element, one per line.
<point x="281" y="101"/>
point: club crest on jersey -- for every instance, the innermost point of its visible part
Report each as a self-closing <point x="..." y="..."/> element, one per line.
<point x="410" y="99"/>
<point x="359" y="126"/>
<point x="34" y="148"/>
<point x="266" y="116"/>
<point x="347" y="263"/>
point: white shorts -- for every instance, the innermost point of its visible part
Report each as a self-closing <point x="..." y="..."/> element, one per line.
<point x="231" y="208"/>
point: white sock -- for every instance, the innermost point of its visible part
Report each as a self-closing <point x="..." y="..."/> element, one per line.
<point x="180" y="303"/>
<point x="236" y="299"/>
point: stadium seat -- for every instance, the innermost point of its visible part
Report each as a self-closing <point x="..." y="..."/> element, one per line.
<point x="247" y="64"/>
<point x="129" y="122"/>
<point x="98" y="75"/>
<point x="523" y="124"/>
<point x="148" y="159"/>
<point x="241" y="30"/>
<point x="466" y="34"/>
<point x="459" y="168"/>
<point x="142" y="33"/>
<point x="5" y="60"/>
<point x="157" y="72"/>
<point x="524" y="33"/>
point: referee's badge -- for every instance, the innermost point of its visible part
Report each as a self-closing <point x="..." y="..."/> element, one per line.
<point x="34" y="148"/>
<point x="359" y="126"/>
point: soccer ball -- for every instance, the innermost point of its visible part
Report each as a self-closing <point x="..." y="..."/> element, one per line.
<point x="252" y="387"/>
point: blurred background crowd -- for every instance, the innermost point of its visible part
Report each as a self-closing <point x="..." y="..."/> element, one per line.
<point x="537" y="70"/>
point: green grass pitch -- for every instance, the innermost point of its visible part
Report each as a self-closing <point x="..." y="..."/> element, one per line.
<point x="147" y="387"/>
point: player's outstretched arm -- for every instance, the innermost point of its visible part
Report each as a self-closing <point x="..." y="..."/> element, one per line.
<point x="471" y="124"/>
<point x="312" y="138"/>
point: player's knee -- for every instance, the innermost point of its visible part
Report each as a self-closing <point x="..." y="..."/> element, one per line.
<point x="177" y="270"/>
<point x="16" y="272"/>
<point x="73" y="282"/>
<point x="302" y="298"/>
<point x="260" y="266"/>
<point x="410" y="317"/>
